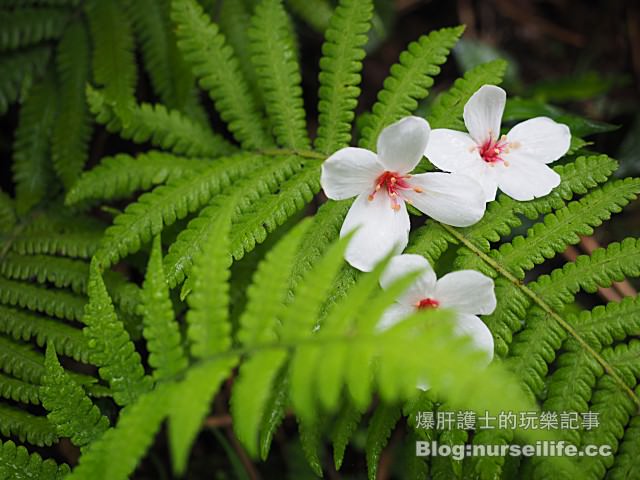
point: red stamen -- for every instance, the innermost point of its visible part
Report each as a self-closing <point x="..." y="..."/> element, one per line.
<point x="393" y="183"/>
<point x="491" y="151"/>
<point x="427" y="303"/>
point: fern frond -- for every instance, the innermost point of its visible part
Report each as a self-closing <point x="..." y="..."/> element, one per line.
<point x="233" y="19"/>
<point x="18" y="71"/>
<point x="17" y="463"/>
<point x="255" y="208"/>
<point x="134" y="432"/>
<point x="122" y="175"/>
<point x="209" y="330"/>
<point x="258" y="324"/>
<point x="346" y="423"/>
<point x="27" y="26"/>
<point x="190" y="403"/>
<point x="72" y="131"/>
<point x="502" y="215"/>
<point x="446" y="111"/>
<point x="31" y="167"/>
<point x="26" y="427"/>
<point x="49" y="3"/>
<point x="562" y="228"/>
<point x="379" y="430"/>
<point x="22" y="325"/>
<point x="317" y="13"/>
<point x="167" y="203"/>
<point x="340" y="67"/>
<point x="278" y="73"/>
<point x="76" y="244"/>
<point x="7" y="213"/>
<point x="21" y="361"/>
<point x="166" y="129"/>
<point x="409" y="81"/>
<point x="114" y="66"/>
<point x="57" y="303"/>
<point x="18" y="391"/>
<point x="605" y="324"/>
<point x="626" y="460"/>
<point x="430" y="241"/>
<point x="70" y="409"/>
<point x="112" y="350"/>
<point x="160" y="329"/>
<point x="213" y="63"/>
<point x="59" y="271"/>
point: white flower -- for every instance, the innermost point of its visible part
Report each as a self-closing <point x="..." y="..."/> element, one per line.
<point x="467" y="292"/>
<point x="516" y="162"/>
<point x="382" y="184"/>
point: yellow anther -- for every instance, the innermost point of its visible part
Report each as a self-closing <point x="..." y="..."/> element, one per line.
<point x="417" y="190"/>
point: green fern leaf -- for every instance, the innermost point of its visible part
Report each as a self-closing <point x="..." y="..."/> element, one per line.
<point x="626" y="461"/>
<point x="446" y="111"/>
<point x="311" y="442"/>
<point x="7" y="213"/>
<point x="190" y="403"/>
<point x="208" y="328"/>
<point x="166" y="129"/>
<point x="160" y="328"/>
<point x="26" y="427"/>
<point x="258" y="204"/>
<point x="18" y="71"/>
<point x="19" y="391"/>
<point x="18" y="464"/>
<point x="346" y="423"/>
<point x="69" y="407"/>
<point x="278" y="73"/>
<point x="123" y="175"/>
<point x="22" y="325"/>
<point x="382" y="424"/>
<point x="72" y="131"/>
<point x="163" y="206"/>
<point x="317" y="13"/>
<point x="340" y="68"/>
<point x="27" y="26"/>
<point x="213" y="63"/>
<point x="605" y="324"/>
<point x="258" y="324"/>
<point x="113" y="352"/>
<point x="59" y="271"/>
<point x="32" y="171"/>
<point x="21" y="361"/>
<point x="114" y="65"/>
<point x="409" y="81"/>
<point x="133" y="434"/>
<point x="562" y="228"/>
<point x="430" y="241"/>
<point x="57" y="303"/>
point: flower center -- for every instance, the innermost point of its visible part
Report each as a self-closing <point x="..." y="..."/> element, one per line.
<point x="393" y="183"/>
<point x="427" y="303"/>
<point x="491" y="151"/>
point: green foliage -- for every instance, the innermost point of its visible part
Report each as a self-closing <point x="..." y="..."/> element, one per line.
<point x="69" y="407"/>
<point x="217" y="70"/>
<point x="166" y="129"/>
<point x="72" y="131"/>
<point x="113" y="67"/>
<point x="17" y="463"/>
<point x="31" y="169"/>
<point x="409" y="81"/>
<point x="29" y="26"/>
<point x="278" y="72"/>
<point x="112" y="350"/>
<point x="18" y="71"/>
<point x="160" y="329"/>
<point x="340" y="69"/>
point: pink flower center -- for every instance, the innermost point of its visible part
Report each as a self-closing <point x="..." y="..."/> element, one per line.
<point x="393" y="183"/>
<point x="427" y="303"/>
<point x="491" y="151"/>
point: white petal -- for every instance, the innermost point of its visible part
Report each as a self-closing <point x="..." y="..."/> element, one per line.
<point x="487" y="176"/>
<point x="526" y="179"/>
<point x="401" y="265"/>
<point x="483" y="113"/>
<point x="382" y="230"/>
<point x="349" y="172"/>
<point x="466" y="291"/>
<point x="401" y="145"/>
<point x="450" y="198"/>
<point x="539" y="139"/>
<point x="452" y="151"/>
<point x="394" y="314"/>
<point x="471" y="325"/>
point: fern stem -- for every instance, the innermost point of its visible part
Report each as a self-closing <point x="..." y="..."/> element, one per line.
<point x="547" y="309"/>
